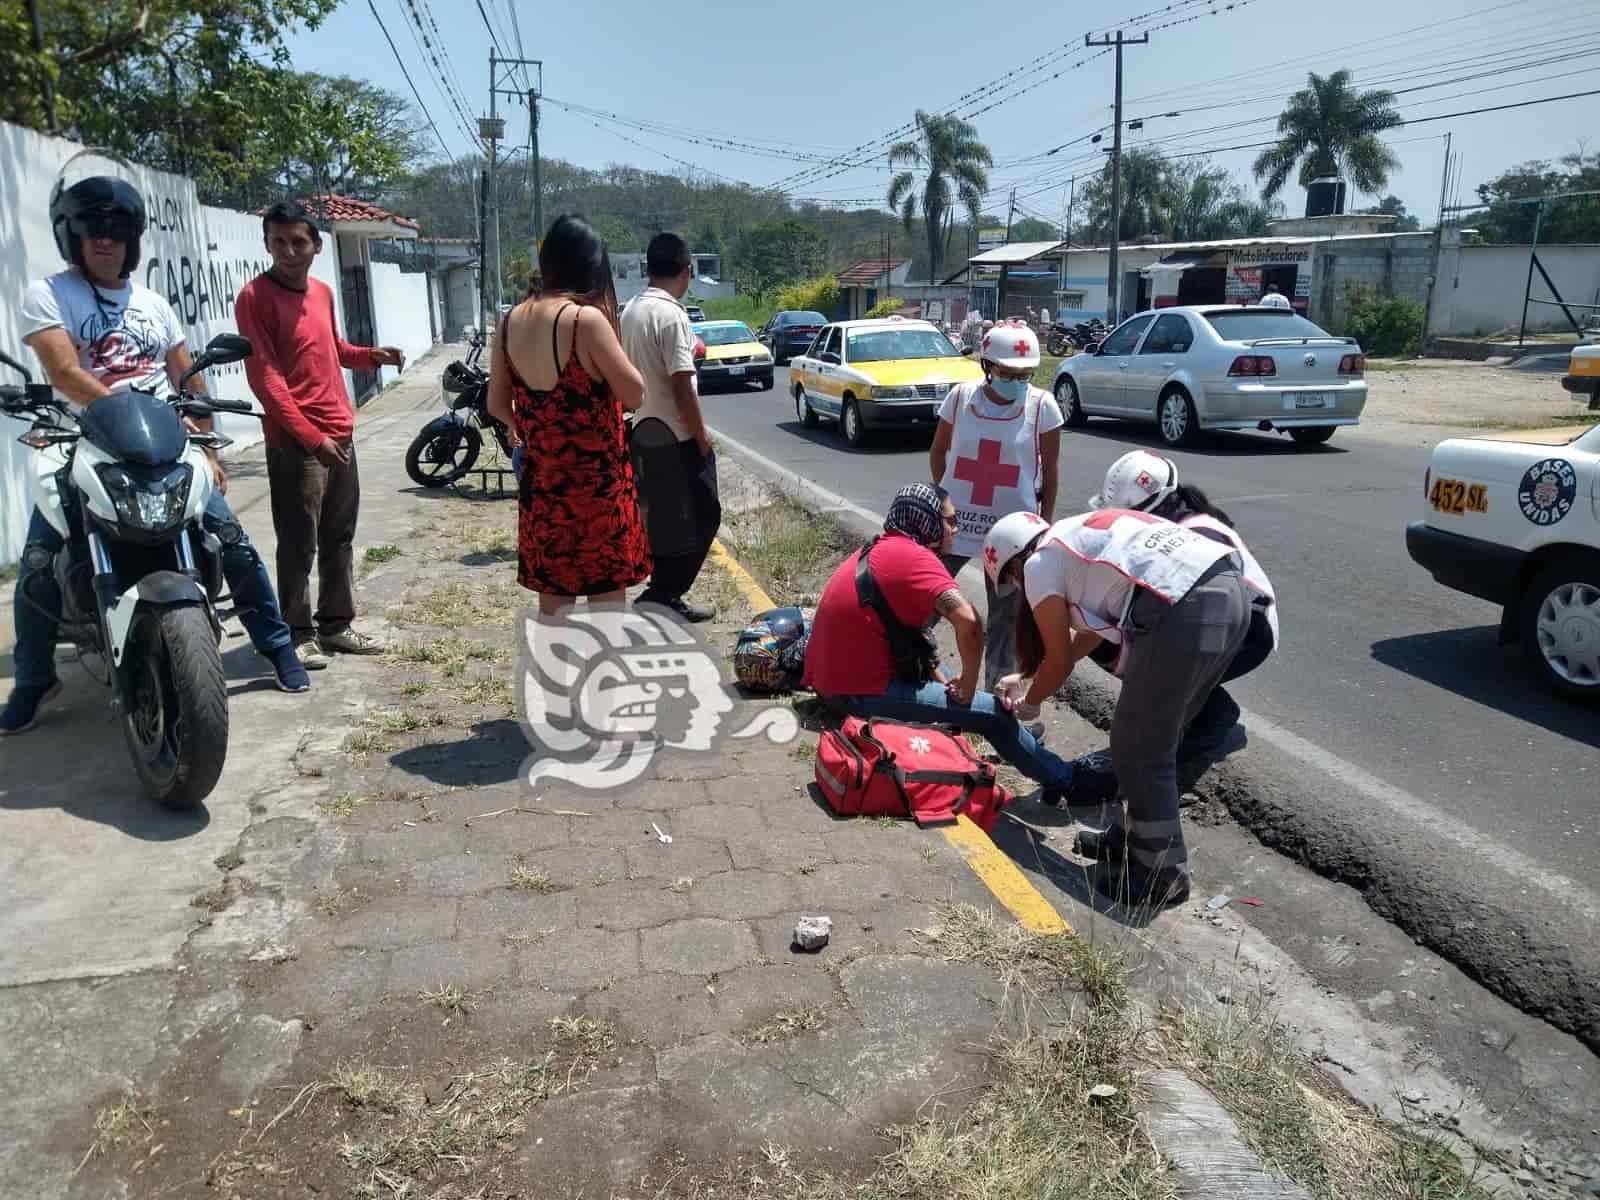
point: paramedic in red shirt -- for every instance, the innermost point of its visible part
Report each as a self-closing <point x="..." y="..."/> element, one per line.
<point x="849" y="661"/>
<point x="297" y="374"/>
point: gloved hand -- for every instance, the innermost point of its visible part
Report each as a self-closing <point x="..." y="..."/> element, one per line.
<point x="1012" y="689"/>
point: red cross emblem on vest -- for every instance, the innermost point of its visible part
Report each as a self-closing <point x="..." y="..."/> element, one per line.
<point x="986" y="472"/>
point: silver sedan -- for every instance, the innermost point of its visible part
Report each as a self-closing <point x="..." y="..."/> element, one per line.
<point x="1199" y="367"/>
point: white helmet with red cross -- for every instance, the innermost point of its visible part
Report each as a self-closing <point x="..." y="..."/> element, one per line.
<point x="1010" y="344"/>
<point x="1007" y="538"/>
<point x="1138" y="480"/>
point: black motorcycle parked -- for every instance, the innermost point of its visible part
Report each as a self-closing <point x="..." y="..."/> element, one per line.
<point x="448" y="446"/>
<point x="1060" y="336"/>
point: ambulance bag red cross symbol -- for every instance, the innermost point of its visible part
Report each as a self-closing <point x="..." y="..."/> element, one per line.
<point x="986" y="472"/>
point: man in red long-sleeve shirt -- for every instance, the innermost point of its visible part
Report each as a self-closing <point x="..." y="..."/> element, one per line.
<point x="296" y="371"/>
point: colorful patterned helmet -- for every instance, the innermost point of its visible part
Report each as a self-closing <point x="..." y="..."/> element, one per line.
<point x="770" y="653"/>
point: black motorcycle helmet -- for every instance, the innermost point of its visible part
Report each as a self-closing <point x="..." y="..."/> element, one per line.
<point x="100" y="202"/>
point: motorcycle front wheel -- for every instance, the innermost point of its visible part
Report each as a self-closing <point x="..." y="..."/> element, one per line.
<point x="437" y="457"/>
<point x="1056" y="344"/>
<point x="176" y="719"/>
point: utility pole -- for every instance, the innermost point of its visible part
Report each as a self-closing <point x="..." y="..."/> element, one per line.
<point x="538" y="187"/>
<point x="501" y="71"/>
<point x="1113" y="279"/>
<point x="1438" y="248"/>
<point x="1011" y="211"/>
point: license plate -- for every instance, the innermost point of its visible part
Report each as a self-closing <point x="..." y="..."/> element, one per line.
<point x="1457" y="498"/>
<point x="1312" y="400"/>
<point x="735" y="370"/>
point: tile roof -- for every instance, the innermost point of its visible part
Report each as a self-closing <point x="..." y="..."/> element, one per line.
<point x="334" y="207"/>
<point x="869" y="271"/>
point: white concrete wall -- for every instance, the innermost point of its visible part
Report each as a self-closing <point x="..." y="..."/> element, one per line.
<point x="197" y="257"/>
<point x="399" y="313"/>
<point x="1480" y="287"/>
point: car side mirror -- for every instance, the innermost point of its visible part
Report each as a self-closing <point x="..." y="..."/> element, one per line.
<point x="966" y="351"/>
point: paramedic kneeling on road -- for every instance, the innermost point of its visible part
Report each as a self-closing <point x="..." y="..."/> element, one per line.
<point x="1177" y="600"/>
<point x="869" y="655"/>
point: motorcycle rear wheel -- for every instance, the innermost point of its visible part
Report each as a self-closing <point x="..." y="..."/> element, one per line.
<point x="437" y="459"/>
<point x="176" y="724"/>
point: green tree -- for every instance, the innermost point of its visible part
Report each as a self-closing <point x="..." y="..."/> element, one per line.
<point x="619" y="235"/>
<point x="1328" y="128"/>
<point x="953" y="166"/>
<point x="1209" y="204"/>
<point x="774" y="253"/>
<point x="1571" y="220"/>
<point x="1393" y="206"/>
<point x="1031" y="229"/>
<point x="1151" y="194"/>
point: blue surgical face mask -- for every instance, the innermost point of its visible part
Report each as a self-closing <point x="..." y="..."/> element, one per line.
<point x="1013" y="390"/>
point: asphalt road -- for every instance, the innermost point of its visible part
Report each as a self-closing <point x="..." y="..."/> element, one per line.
<point x="1379" y="665"/>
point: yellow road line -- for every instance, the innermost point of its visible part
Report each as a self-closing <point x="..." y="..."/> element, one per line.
<point x="1002" y="877"/>
<point x="999" y="874"/>
<point x="742" y="579"/>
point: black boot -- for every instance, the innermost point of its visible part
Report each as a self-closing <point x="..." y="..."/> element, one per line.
<point x="1209" y="730"/>
<point x="1109" y="844"/>
<point x="1135" y="887"/>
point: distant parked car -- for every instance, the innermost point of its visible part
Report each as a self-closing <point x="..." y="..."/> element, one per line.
<point x="731" y="355"/>
<point x="696" y="313"/>
<point x="1514" y="519"/>
<point x="1199" y="367"/>
<point x="790" y="333"/>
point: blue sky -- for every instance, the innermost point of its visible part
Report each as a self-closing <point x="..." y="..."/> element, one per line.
<point x="806" y="82"/>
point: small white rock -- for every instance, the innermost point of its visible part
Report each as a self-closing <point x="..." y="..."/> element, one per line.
<point x="812" y="933"/>
<point x="1101" y="1092"/>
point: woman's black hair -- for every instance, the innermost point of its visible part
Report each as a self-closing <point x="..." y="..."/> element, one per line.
<point x="573" y="262"/>
<point x="1190" y="501"/>
<point x="1030" y="642"/>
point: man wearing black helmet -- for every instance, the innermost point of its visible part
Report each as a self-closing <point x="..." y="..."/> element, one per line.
<point x="96" y="331"/>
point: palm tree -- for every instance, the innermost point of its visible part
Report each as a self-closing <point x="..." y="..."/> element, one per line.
<point x="952" y="162"/>
<point x="1329" y="128"/>
<point x="1151" y="197"/>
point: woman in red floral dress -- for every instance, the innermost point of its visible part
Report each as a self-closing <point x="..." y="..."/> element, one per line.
<point x="560" y="381"/>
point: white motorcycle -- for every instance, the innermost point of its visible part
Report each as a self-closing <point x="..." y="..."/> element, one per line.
<point x="125" y="484"/>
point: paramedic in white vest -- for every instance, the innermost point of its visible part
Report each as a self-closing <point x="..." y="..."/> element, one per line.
<point x="996" y="452"/>
<point x="1146" y="482"/>
<point x="1178" y="603"/>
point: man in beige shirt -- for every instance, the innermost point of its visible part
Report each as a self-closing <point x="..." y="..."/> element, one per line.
<point x="673" y="460"/>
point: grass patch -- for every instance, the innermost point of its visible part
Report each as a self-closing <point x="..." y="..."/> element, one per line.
<point x="490" y="690"/>
<point x="119" y="1124"/>
<point x="529" y="879"/>
<point x="381" y="554"/>
<point x="790" y="1023"/>
<point x="331" y="904"/>
<point x="493" y="544"/>
<point x="401" y="720"/>
<point x="1297" y="1120"/>
<point x="1545" y="420"/>
<point x="451" y="651"/>
<point x="414" y="689"/>
<point x="1044" y="375"/>
<point x="786" y="548"/>
<point x="451" y="997"/>
<point x="371" y="1088"/>
<point x="457" y="605"/>
<point x="589" y="1036"/>
<point x="366" y="741"/>
<point x="966" y="933"/>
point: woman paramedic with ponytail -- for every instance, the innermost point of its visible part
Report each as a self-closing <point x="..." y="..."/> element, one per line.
<point x="1177" y="601"/>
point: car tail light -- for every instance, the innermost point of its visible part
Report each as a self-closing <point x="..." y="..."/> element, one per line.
<point x="1253" y="365"/>
<point x="1353" y="364"/>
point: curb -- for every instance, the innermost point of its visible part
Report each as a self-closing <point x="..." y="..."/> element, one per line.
<point x="1528" y="954"/>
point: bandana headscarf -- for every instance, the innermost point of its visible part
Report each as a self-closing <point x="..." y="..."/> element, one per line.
<point x="917" y="511"/>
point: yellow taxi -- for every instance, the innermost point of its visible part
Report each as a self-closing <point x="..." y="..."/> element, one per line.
<point x="733" y="355"/>
<point x="877" y="374"/>
<point x="1583" y="373"/>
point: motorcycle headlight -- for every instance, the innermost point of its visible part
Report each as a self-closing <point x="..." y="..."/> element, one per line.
<point x="893" y="393"/>
<point x="151" y="502"/>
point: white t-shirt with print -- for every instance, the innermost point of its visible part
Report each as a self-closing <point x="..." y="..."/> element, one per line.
<point x="995" y="465"/>
<point x="658" y="341"/>
<point x="123" y="336"/>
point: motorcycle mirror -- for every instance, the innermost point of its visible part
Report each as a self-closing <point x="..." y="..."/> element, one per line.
<point x="26" y="374"/>
<point x="228" y="348"/>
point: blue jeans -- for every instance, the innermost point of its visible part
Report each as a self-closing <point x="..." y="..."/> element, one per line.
<point x="930" y="704"/>
<point x="246" y="574"/>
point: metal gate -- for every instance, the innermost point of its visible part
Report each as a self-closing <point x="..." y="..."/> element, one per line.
<point x="358" y="325"/>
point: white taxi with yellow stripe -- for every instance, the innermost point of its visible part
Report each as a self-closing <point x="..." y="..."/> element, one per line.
<point x="877" y="374"/>
<point x="1514" y="518"/>
<point x="733" y="355"/>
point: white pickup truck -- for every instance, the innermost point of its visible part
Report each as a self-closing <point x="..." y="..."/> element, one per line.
<point x="1514" y="519"/>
